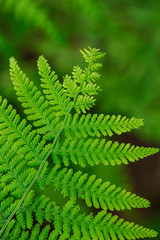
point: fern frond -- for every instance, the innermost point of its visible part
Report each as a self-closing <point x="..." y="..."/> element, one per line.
<point x="15" y="232"/>
<point x="37" y="108"/>
<point x="69" y="224"/>
<point x="71" y="88"/>
<point x="92" y="190"/>
<point x="97" y="125"/>
<point x="90" y="89"/>
<point x="15" y="177"/>
<point x="91" y="55"/>
<point x="24" y="155"/>
<point x="53" y="88"/>
<point x="85" y="99"/>
<point x="41" y="207"/>
<point x="95" y="151"/>
<point x="28" y="140"/>
<point x="84" y="103"/>
<point x="12" y="169"/>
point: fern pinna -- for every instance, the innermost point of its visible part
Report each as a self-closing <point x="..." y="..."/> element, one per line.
<point x="63" y="129"/>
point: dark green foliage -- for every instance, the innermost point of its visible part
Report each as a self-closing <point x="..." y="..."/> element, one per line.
<point x="61" y="131"/>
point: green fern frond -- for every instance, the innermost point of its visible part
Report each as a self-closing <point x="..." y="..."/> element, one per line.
<point x="69" y="224"/>
<point x="37" y="108"/>
<point x="24" y="155"/>
<point x="92" y="190"/>
<point x="70" y="86"/>
<point x="90" y="89"/>
<point x="14" y="232"/>
<point x="85" y="100"/>
<point x="28" y="140"/>
<point x="97" y="125"/>
<point x="91" y="55"/>
<point x="95" y="151"/>
<point x="84" y="103"/>
<point x="53" y="88"/>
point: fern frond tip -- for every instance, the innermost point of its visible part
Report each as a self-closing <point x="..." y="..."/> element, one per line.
<point x="12" y="62"/>
<point x="92" y="54"/>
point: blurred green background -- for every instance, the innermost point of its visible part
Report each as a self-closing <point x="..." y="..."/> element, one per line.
<point x="129" y="31"/>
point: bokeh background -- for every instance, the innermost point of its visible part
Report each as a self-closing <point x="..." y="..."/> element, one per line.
<point x="129" y="31"/>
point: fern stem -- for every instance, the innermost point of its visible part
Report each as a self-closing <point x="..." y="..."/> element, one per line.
<point x="42" y="163"/>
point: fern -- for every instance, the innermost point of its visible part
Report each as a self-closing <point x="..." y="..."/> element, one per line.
<point x="61" y="131"/>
